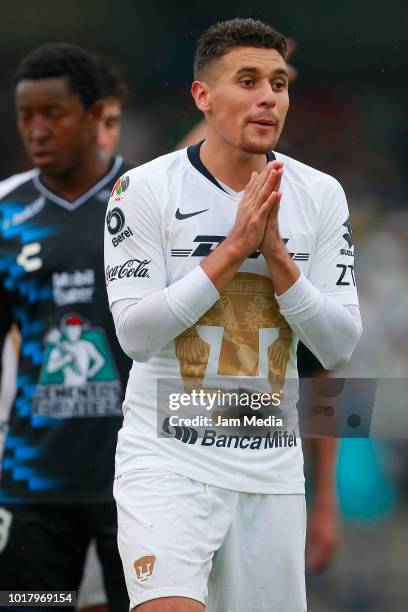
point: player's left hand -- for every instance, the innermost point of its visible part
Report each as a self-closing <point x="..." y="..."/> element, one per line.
<point x="322" y="538"/>
<point x="272" y="239"/>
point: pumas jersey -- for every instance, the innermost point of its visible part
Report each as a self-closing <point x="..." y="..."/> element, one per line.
<point x="164" y="219"/>
<point x="59" y="435"/>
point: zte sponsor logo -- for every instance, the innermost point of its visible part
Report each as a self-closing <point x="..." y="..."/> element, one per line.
<point x="135" y="268"/>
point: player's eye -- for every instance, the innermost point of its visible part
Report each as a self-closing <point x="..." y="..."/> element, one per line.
<point x="247" y="82"/>
<point x="24" y="116"/>
<point x="111" y="123"/>
<point x="278" y="85"/>
<point x="55" y="113"/>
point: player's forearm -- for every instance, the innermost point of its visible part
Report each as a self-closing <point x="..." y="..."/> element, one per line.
<point x="283" y="271"/>
<point x="222" y="264"/>
<point x="145" y="326"/>
<point x="324" y="451"/>
<point x="328" y="329"/>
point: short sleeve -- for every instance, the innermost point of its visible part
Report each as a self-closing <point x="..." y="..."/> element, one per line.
<point x="134" y="256"/>
<point x="332" y="265"/>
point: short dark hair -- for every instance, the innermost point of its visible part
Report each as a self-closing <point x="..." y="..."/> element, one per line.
<point x="114" y="82"/>
<point x="226" y="35"/>
<point x="79" y="66"/>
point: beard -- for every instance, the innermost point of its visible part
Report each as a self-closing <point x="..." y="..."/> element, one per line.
<point x="258" y="148"/>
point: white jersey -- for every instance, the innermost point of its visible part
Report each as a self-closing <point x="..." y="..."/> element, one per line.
<point x="163" y="218"/>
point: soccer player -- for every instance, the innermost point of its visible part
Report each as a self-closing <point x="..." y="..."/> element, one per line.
<point x="320" y="452"/>
<point x="56" y="483"/>
<point x="213" y="278"/>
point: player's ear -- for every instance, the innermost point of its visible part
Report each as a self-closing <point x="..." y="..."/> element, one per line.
<point x="202" y="96"/>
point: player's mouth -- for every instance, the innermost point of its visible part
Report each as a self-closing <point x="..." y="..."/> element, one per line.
<point x="43" y="158"/>
<point x="264" y="123"/>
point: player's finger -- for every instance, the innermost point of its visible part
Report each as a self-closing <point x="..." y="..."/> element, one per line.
<point x="250" y="187"/>
<point x="265" y="174"/>
<point x="267" y="206"/>
<point x="278" y="179"/>
<point x="274" y="212"/>
<point x="267" y="188"/>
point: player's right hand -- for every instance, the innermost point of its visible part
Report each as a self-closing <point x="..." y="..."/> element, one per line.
<point x="259" y="198"/>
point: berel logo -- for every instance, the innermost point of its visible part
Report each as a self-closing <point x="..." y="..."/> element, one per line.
<point x="133" y="267"/>
<point x="115" y="220"/>
<point x="144" y="567"/>
<point x="125" y="234"/>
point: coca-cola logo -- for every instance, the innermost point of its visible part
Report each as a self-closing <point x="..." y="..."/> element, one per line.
<point x="136" y="268"/>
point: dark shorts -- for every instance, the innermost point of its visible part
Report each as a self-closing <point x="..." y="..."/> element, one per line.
<point x="43" y="548"/>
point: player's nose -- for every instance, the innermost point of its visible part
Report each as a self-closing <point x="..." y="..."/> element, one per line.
<point x="38" y="130"/>
<point x="267" y="95"/>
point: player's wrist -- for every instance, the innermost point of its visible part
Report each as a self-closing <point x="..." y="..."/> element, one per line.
<point x="325" y="501"/>
<point x="275" y="252"/>
<point x="235" y="249"/>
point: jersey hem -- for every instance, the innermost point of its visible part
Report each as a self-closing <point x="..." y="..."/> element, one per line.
<point x="282" y="488"/>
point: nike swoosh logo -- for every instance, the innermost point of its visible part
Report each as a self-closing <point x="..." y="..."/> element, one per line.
<point x="180" y="216"/>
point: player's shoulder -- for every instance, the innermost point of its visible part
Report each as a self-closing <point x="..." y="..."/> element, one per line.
<point x="306" y="177"/>
<point x="151" y="177"/>
<point x="156" y="170"/>
<point x="10" y="184"/>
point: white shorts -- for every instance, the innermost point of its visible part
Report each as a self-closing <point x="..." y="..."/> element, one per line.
<point x="234" y="552"/>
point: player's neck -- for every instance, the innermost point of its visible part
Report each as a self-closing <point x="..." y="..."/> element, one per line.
<point x="79" y="179"/>
<point x="230" y="165"/>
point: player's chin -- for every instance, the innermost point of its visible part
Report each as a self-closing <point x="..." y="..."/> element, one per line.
<point x="257" y="146"/>
<point x="258" y="143"/>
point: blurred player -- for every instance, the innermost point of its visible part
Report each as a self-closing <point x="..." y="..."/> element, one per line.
<point x="116" y="94"/>
<point x="203" y="225"/>
<point x="92" y="595"/>
<point x="56" y="480"/>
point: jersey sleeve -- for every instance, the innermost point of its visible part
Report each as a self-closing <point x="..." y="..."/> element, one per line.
<point x="332" y="266"/>
<point x="134" y="255"/>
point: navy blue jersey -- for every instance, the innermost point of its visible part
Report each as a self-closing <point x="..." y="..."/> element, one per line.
<point x="60" y="432"/>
